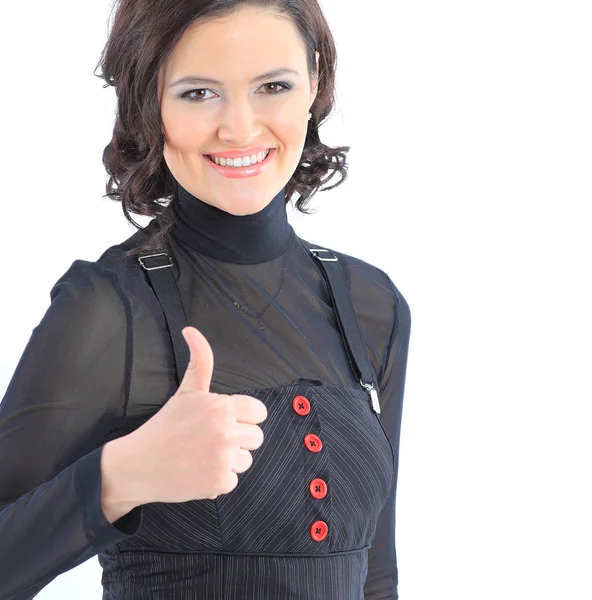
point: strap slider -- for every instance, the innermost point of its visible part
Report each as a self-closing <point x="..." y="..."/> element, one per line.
<point x="140" y="258"/>
<point x="314" y="250"/>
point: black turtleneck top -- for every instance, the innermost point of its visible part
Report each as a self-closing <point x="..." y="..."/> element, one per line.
<point x="248" y="239"/>
<point x="100" y="360"/>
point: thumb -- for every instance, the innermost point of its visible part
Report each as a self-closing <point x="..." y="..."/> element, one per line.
<point x="198" y="375"/>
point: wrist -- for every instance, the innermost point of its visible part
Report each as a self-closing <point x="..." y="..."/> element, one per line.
<point x="120" y="493"/>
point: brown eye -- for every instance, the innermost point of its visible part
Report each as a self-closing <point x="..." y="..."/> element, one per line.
<point x="197" y="98"/>
<point x="277" y="87"/>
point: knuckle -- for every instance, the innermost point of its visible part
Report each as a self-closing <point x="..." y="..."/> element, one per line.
<point x="225" y="457"/>
<point x="221" y="482"/>
<point x="225" y="435"/>
<point x="222" y="409"/>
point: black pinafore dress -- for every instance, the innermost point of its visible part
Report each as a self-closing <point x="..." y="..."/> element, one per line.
<point x="299" y="524"/>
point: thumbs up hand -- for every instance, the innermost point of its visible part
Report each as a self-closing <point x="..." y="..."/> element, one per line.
<point x="195" y="445"/>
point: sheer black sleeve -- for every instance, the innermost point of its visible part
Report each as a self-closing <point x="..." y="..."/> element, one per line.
<point x="65" y="396"/>
<point x="382" y="579"/>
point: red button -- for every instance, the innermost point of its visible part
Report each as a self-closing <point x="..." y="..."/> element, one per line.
<point x="313" y="442"/>
<point x="318" y="488"/>
<point x="319" y="530"/>
<point x="301" y="405"/>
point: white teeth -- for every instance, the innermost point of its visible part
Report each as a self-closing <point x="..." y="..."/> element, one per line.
<point x="244" y="161"/>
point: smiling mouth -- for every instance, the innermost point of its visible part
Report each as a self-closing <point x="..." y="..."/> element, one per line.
<point x="244" y="161"/>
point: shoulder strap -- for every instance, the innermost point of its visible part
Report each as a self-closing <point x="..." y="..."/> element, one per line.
<point x="160" y="275"/>
<point x="346" y="318"/>
<point x="161" y="278"/>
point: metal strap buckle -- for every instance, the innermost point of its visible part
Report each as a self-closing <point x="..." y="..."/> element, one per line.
<point x="369" y="387"/>
<point x="313" y="250"/>
<point x="158" y="267"/>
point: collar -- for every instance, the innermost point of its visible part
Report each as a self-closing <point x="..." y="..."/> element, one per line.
<point x="244" y="239"/>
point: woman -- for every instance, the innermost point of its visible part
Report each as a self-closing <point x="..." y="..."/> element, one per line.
<point x="271" y="475"/>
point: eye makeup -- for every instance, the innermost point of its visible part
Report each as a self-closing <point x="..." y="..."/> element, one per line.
<point x="285" y="87"/>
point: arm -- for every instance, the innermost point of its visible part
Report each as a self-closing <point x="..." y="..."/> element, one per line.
<point x="65" y="396"/>
<point x="382" y="579"/>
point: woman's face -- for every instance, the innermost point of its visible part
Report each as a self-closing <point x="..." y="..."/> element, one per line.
<point x="244" y="112"/>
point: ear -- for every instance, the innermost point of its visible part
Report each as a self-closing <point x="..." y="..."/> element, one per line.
<point x="315" y="82"/>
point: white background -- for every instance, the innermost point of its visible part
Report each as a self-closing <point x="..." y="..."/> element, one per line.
<point x="470" y="185"/>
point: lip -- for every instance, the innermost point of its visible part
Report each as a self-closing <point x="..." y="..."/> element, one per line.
<point x="238" y="172"/>
<point x="239" y="153"/>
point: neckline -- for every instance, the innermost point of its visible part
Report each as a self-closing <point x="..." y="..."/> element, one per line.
<point x="244" y="239"/>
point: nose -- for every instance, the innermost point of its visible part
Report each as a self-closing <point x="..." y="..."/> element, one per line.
<point x="239" y="125"/>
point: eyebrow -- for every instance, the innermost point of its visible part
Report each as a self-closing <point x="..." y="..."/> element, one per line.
<point x="198" y="80"/>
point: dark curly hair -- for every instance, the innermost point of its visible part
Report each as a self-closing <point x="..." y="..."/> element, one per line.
<point x="143" y="34"/>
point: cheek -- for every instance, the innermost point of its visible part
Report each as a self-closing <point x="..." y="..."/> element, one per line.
<point x="182" y="130"/>
<point x="289" y="126"/>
